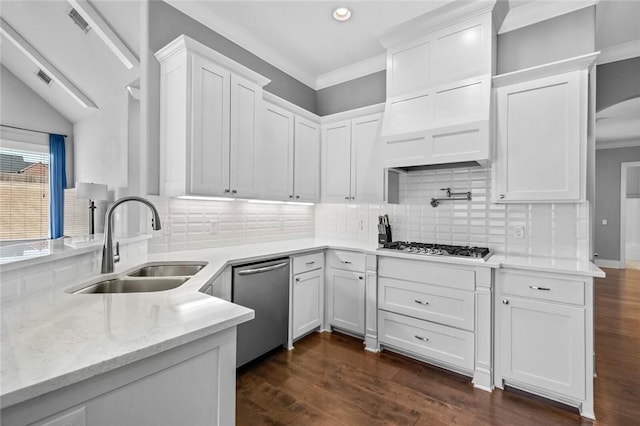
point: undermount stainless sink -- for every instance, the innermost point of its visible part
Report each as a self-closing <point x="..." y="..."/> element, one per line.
<point x="148" y="278"/>
<point x="168" y="270"/>
<point x="133" y="285"/>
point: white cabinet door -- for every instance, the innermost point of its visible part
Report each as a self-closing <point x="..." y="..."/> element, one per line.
<point x="246" y="112"/>
<point x="210" y="129"/>
<point x="540" y="133"/>
<point x="275" y="154"/>
<point x="367" y="173"/>
<point x="346" y="300"/>
<point x="308" y="301"/>
<point x="543" y="345"/>
<point x="307" y="160"/>
<point x="336" y="162"/>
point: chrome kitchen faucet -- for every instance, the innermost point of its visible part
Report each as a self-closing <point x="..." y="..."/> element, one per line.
<point x="108" y="258"/>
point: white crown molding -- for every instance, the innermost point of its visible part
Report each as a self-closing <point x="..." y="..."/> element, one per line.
<point x="214" y="19"/>
<point x="582" y="62"/>
<point x="183" y="43"/>
<point x="285" y="104"/>
<point x="41" y="62"/>
<point x="353" y="113"/>
<point x="105" y="33"/>
<point x="619" y="52"/>
<point x="538" y="11"/>
<point x="353" y="71"/>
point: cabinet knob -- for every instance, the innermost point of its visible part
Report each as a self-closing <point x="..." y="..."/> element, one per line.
<point x="227" y="190"/>
<point x="353" y="198"/>
<point x="360" y="277"/>
<point x="234" y="192"/>
<point x="346" y="198"/>
<point x="290" y="196"/>
<point x="297" y="196"/>
<point x="501" y="196"/>
<point x="298" y="280"/>
<point x="505" y="302"/>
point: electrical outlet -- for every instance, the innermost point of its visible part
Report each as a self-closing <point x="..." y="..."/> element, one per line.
<point x="604" y="222"/>
<point x="516" y="231"/>
<point x="212" y="227"/>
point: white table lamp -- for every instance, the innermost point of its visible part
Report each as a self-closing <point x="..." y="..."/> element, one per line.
<point x="92" y="191"/>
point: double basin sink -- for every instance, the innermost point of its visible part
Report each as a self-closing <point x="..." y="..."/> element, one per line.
<point x="156" y="277"/>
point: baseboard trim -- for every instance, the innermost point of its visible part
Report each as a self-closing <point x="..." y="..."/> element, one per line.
<point x="608" y="263"/>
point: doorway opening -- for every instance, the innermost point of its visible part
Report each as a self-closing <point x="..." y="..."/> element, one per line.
<point x="630" y="215"/>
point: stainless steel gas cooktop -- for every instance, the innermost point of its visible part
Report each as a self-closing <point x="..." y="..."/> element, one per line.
<point x="428" y="249"/>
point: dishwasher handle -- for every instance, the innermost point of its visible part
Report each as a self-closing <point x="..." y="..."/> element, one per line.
<point x="265" y="269"/>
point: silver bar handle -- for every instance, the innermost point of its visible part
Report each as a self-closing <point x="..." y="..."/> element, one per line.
<point x="310" y="263"/>
<point x="265" y="269"/>
<point x="421" y="302"/>
<point x="348" y="262"/>
<point x="535" y="287"/>
<point x="424" y="339"/>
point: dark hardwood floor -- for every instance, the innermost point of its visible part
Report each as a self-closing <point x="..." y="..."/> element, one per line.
<point x="328" y="379"/>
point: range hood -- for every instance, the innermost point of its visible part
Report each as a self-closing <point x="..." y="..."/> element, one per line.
<point x="439" y="69"/>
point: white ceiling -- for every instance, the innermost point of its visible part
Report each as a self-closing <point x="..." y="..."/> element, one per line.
<point x="83" y="58"/>
<point x="301" y="37"/>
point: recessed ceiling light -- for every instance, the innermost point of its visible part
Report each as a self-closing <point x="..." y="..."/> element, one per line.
<point x="342" y="14"/>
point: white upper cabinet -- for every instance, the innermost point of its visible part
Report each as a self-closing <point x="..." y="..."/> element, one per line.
<point x="542" y="133"/>
<point x="306" y="160"/>
<point x="439" y="70"/>
<point x="336" y="162"/>
<point x="288" y="166"/>
<point x="352" y="168"/>
<point x="210" y="126"/>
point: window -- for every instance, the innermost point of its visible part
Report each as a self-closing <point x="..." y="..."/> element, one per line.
<point x="24" y="197"/>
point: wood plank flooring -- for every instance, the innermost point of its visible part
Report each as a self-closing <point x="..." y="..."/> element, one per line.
<point x="328" y="379"/>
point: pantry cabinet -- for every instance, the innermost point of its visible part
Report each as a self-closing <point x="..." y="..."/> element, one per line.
<point x="289" y="156"/>
<point x="210" y="122"/>
<point x="352" y="169"/>
<point x="542" y="116"/>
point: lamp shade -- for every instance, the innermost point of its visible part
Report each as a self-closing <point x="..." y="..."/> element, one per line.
<point x="92" y="191"/>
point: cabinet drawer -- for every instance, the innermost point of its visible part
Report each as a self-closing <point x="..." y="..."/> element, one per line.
<point x="448" y="306"/>
<point x="544" y="288"/>
<point x="308" y="262"/>
<point x="426" y="272"/>
<point x="448" y="345"/>
<point x="347" y="260"/>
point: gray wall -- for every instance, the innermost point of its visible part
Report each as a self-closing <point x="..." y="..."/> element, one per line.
<point x="559" y="38"/>
<point x="168" y="23"/>
<point x="607" y="204"/>
<point x="367" y="90"/>
<point x="617" y="82"/>
<point x="22" y="107"/>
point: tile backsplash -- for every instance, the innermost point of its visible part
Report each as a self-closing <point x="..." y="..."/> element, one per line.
<point x="559" y="230"/>
<point x="194" y="224"/>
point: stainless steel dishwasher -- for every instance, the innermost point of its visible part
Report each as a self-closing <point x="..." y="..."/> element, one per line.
<point x="263" y="287"/>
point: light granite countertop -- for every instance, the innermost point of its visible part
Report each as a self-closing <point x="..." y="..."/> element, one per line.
<point x="53" y="338"/>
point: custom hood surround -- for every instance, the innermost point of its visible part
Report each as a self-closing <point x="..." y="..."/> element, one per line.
<point x="439" y="69"/>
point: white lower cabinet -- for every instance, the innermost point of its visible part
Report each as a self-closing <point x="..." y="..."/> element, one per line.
<point x="439" y="313"/>
<point x="544" y="336"/>
<point x="346" y="291"/>
<point x="308" y="290"/>
<point x="307" y="294"/>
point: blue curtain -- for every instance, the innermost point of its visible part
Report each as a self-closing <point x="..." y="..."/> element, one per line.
<point x="57" y="185"/>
